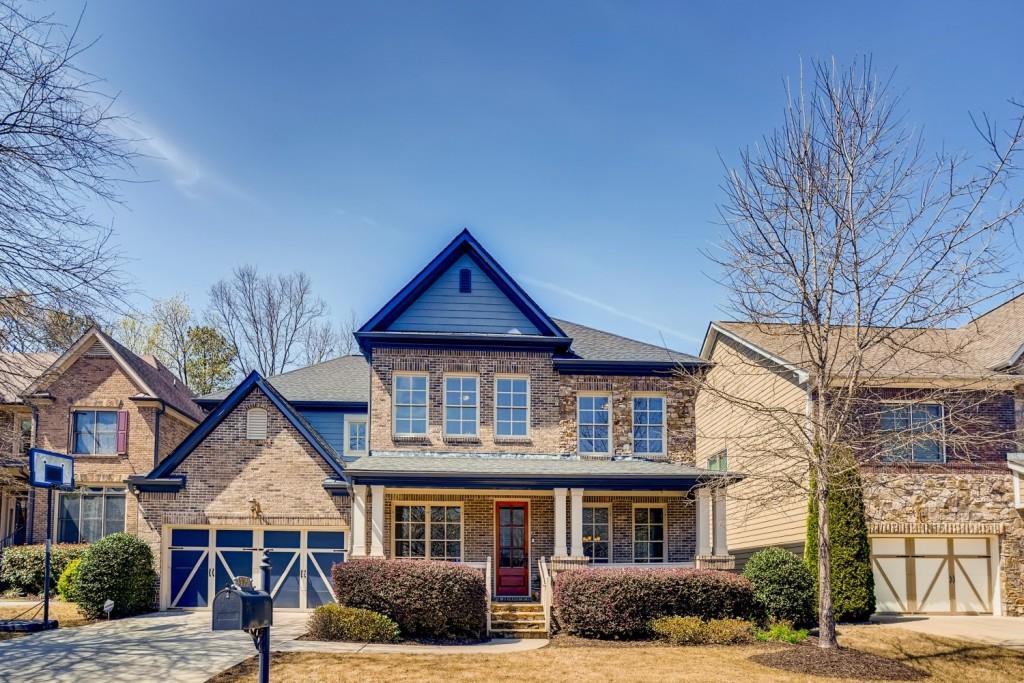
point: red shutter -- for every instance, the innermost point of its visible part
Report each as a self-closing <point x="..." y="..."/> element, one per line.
<point x="122" y="432"/>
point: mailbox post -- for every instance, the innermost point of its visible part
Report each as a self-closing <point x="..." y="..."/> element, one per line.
<point x="240" y="607"/>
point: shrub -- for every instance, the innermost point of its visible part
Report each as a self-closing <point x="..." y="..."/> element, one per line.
<point x="783" y="586"/>
<point x="429" y="599"/>
<point x="67" y="581"/>
<point x="118" y="567"/>
<point x="21" y="567"/>
<point x="729" y="632"/>
<point x="336" y="622"/>
<point x="696" y="631"/>
<point x="620" y="603"/>
<point x="782" y="632"/>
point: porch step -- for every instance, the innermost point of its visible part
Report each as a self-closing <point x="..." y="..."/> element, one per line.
<point x="521" y="634"/>
<point x="517" y="620"/>
<point x="528" y="624"/>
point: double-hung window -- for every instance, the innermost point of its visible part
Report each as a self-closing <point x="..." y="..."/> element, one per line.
<point x="593" y="417"/>
<point x="90" y="513"/>
<point x="511" y="407"/>
<point x="461" y="407"/>
<point x="649" y="425"/>
<point x="597" y="537"/>
<point x="410" y="405"/>
<point x="648" y="534"/>
<point x="718" y="461"/>
<point x="355" y="435"/>
<point x="912" y="432"/>
<point x="428" y="532"/>
<point x="95" y="432"/>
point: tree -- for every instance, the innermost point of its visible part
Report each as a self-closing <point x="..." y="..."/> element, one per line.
<point x="324" y="341"/>
<point x="208" y="366"/>
<point x="861" y="251"/>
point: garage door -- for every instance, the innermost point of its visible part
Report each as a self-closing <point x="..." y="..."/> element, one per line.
<point x="932" y="574"/>
<point x="204" y="560"/>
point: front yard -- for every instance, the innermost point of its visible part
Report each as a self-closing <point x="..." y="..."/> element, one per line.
<point x="66" y="614"/>
<point x="874" y="653"/>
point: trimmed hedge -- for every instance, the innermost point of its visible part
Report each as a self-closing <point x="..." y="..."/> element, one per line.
<point x="117" y="567"/>
<point x="22" y="566"/>
<point x="68" y="581"/>
<point x="783" y="587"/>
<point x="696" y="631"/>
<point x="621" y="603"/>
<point x="336" y="622"/>
<point x="426" y="598"/>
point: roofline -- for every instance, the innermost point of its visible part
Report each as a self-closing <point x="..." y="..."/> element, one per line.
<point x="583" y="366"/>
<point x="462" y="339"/>
<point x="302" y="404"/>
<point x="710" y="338"/>
<point x="166" y="408"/>
<point x="478" y="480"/>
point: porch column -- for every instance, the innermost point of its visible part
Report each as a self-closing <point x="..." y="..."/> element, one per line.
<point x="721" y="543"/>
<point x="359" y="520"/>
<point x="703" y="522"/>
<point x="577" y="522"/>
<point x="377" y="521"/>
<point x="560" y="549"/>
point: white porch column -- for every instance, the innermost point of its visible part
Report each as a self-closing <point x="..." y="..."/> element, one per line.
<point x="560" y="549"/>
<point x="703" y="522"/>
<point x="577" y="522"/>
<point x="359" y="520"/>
<point x="721" y="543"/>
<point x="377" y="521"/>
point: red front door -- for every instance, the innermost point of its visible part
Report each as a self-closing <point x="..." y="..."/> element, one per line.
<point x="513" y="570"/>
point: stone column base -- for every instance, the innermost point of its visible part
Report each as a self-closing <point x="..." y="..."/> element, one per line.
<point x="715" y="562"/>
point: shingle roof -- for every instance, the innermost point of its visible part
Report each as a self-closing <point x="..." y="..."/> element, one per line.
<point x="19" y="370"/>
<point x="344" y="379"/>
<point x="591" y="344"/>
<point x="161" y="380"/>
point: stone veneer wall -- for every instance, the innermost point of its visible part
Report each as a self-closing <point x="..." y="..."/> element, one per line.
<point x="914" y="503"/>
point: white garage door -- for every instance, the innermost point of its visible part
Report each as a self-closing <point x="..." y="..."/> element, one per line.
<point x="932" y="574"/>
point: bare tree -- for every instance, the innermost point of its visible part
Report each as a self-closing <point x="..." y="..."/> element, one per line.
<point x="325" y="341"/>
<point x="173" y="319"/>
<point x="860" y="254"/>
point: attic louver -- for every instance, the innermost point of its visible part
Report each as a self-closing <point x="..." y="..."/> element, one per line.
<point x="465" y="281"/>
<point x="97" y="350"/>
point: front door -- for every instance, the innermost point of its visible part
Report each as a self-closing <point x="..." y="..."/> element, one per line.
<point x="513" y="570"/>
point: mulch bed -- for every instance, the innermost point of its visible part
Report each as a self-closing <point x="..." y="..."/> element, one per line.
<point x="810" y="659"/>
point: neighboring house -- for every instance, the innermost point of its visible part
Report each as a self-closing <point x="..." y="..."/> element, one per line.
<point x="945" y="522"/>
<point x="476" y="429"/>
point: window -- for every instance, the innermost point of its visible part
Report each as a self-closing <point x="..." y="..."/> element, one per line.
<point x="90" y="513"/>
<point x="460" y="405"/>
<point x="355" y="434"/>
<point x="648" y="534"/>
<point x="511" y="406"/>
<point x="649" y="425"/>
<point x="428" y="532"/>
<point x="410" y="405"/>
<point x="914" y="432"/>
<point x="719" y="462"/>
<point x="24" y="435"/>
<point x="594" y="420"/>
<point x="95" y="432"/>
<point x="597" y="533"/>
<point x="256" y="424"/>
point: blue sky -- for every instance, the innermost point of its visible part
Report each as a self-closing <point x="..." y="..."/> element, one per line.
<point x="582" y="143"/>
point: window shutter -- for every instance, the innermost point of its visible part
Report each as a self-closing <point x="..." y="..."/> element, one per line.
<point x="122" y="432"/>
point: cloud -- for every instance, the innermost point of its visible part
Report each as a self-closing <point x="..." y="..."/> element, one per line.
<point x="582" y="298"/>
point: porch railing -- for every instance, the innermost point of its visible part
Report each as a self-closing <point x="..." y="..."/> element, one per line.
<point x="487" y="593"/>
<point x="546" y="589"/>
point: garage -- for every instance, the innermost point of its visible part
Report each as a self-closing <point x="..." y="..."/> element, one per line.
<point x="199" y="561"/>
<point x="934" y="574"/>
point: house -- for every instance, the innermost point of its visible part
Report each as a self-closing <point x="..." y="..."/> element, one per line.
<point x="944" y="509"/>
<point x="473" y="428"/>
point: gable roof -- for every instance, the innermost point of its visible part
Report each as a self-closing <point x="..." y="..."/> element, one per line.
<point x="254" y="381"/>
<point x="340" y="380"/>
<point x="148" y="374"/>
<point x="19" y="370"/>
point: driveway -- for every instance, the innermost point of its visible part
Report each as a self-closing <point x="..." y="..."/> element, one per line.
<point x="164" y="646"/>
<point x="1003" y="631"/>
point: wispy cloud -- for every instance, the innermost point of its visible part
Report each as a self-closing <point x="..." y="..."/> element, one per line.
<point x="626" y="315"/>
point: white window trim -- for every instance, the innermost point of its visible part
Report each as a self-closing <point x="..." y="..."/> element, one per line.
<point x="942" y="423"/>
<point x="78" y="490"/>
<point x="74" y="438"/>
<point x="611" y="533"/>
<point x="529" y="411"/>
<point x="348" y="420"/>
<point x="664" y="525"/>
<point x="429" y="504"/>
<point x="611" y="422"/>
<point x="664" y="421"/>
<point x="394" y="404"/>
<point x="444" y="404"/>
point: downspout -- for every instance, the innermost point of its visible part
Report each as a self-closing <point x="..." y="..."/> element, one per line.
<point x="30" y="516"/>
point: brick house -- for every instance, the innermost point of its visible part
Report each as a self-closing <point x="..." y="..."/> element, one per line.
<point x="944" y="508"/>
<point x="473" y="428"/>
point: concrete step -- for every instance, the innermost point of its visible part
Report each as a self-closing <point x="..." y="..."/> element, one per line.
<point x="514" y="608"/>
<point x="522" y="634"/>
<point x="528" y="624"/>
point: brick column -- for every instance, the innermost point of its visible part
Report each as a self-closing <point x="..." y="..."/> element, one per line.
<point x="359" y="520"/>
<point x="721" y="543"/>
<point x="377" y="520"/>
<point x="703" y="523"/>
<point x="560" y="548"/>
<point x="577" y="522"/>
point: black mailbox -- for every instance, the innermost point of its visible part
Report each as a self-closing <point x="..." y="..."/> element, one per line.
<point x="242" y="608"/>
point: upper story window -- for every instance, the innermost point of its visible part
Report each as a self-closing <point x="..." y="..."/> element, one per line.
<point x="95" y="432"/>
<point x="355" y="435"/>
<point x="24" y="435"/>
<point x="594" y="424"/>
<point x="719" y="461"/>
<point x="461" y="405"/>
<point x="649" y="425"/>
<point x="913" y="432"/>
<point x="511" y="406"/>
<point x="256" y="424"/>
<point x="90" y="513"/>
<point x="410" y="414"/>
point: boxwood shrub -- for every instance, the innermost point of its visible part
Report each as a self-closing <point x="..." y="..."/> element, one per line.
<point x="21" y="567"/>
<point x="621" y="603"/>
<point x="118" y="567"/>
<point x="427" y="599"/>
<point x="68" y="581"/>
<point x="696" y="631"/>
<point x="337" y="622"/>
<point x="783" y="587"/>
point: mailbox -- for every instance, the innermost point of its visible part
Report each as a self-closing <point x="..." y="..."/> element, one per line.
<point x="242" y="608"/>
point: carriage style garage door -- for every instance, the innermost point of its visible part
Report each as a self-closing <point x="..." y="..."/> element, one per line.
<point x="933" y="574"/>
<point x="201" y="561"/>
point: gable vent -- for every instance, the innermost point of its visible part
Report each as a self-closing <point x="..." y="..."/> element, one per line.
<point x="465" y="281"/>
<point x="97" y="350"/>
<point x="256" y="424"/>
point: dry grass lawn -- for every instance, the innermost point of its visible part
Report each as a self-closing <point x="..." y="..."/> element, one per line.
<point x="911" y="656"/>
<point x="66" y="614"/>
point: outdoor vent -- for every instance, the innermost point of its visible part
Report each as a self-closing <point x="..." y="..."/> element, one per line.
<point x="465" y="281"/>
<point x="256" y="424"/>
<point x="97" y="350"/>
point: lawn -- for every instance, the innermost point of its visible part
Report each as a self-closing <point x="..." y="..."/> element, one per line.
<point x="871" y="653"/>
<point x="66" y="614"/>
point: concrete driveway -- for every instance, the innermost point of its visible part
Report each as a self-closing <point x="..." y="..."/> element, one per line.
<point x="1003" y="631"/>
<point x="164" y="646"/>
